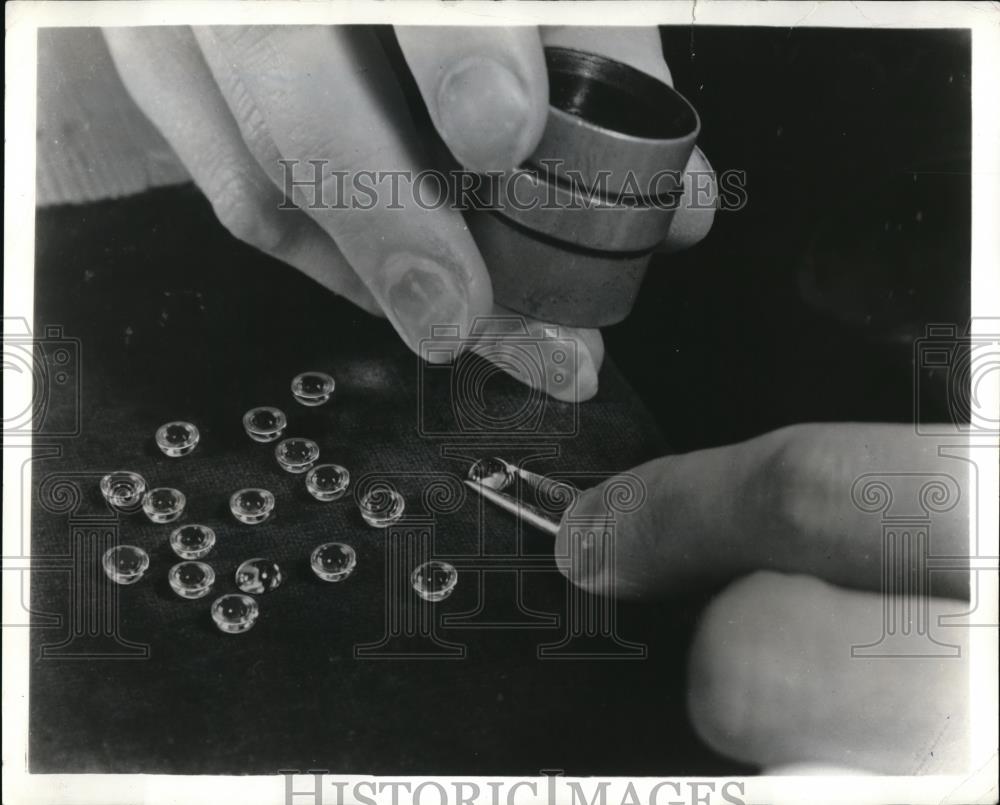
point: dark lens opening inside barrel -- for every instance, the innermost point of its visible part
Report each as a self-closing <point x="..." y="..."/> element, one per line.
<point x="615" y="96"/>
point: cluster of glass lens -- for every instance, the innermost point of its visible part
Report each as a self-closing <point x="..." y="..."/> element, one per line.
<point x="192" y="578"/>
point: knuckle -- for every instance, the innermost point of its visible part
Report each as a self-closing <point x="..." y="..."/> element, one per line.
<point x="796" y="482"/>
<point x="248" y="212"/>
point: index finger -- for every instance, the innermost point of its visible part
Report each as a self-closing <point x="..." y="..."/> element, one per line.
<point x="804" y="499"/>
<point x="325" y="99"/>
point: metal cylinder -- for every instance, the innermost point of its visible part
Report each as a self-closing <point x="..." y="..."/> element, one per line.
<point x="569" y="236"/>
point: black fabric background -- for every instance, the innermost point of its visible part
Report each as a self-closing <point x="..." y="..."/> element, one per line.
<point x="177" y="320"/>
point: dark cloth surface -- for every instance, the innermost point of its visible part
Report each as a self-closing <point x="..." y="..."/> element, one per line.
<point x="176" y="320"/>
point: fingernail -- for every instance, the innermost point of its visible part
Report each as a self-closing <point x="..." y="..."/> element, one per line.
<point x="571" y="375"/>
<point x="483" y="111"/>
<point x="422" y="295"/>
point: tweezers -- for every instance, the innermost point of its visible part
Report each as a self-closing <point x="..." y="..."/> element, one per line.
<point x="492" y="477"/>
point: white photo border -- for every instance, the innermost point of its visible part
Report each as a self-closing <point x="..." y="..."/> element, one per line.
<point x="23" y="19"/>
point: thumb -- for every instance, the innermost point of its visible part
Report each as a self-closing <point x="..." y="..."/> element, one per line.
<point x="790" y="670"/>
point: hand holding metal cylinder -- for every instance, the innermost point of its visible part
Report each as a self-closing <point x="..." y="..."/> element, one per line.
<point x="595" y="197"/>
